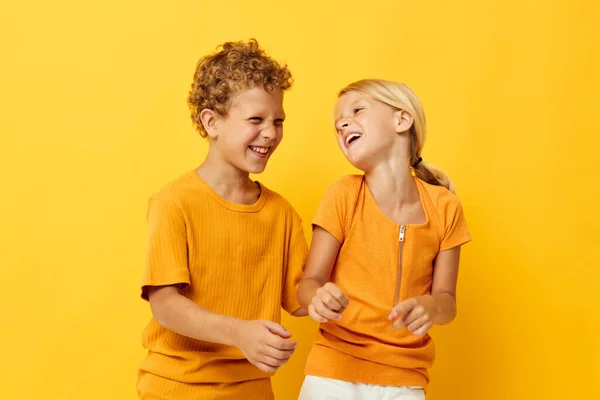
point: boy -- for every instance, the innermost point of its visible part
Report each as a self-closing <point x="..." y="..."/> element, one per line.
<point x="224" y="253"/>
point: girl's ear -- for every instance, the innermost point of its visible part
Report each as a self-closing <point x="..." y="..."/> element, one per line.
<point x="402" y="121"/>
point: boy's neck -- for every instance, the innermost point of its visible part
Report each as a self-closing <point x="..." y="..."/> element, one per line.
<point x="229" y="182"/>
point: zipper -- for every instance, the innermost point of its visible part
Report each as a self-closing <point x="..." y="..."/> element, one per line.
<point x="399" y="280"/>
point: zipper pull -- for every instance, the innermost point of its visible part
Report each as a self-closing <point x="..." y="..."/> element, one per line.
<point x="401" y="236"/>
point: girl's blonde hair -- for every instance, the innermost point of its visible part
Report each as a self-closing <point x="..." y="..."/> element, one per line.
<point x="400" y="96"/>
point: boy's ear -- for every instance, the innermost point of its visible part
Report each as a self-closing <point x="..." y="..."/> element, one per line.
<point x="402" y="121"/>
<point x="208" y="118"/>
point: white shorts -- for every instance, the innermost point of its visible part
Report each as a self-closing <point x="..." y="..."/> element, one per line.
<point x="317" y="388"/>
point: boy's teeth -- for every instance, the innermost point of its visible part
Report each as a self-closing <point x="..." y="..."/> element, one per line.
<point x="261" y="150"/>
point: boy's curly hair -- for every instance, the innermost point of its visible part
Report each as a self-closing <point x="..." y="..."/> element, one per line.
<point x="237" y="66"/>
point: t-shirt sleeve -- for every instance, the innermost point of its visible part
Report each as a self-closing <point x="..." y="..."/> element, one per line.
<point x="166" y="257"/>
<point x="296" y="260"/>
<point x="333" y="211"/>
<point x="456" y="231"/>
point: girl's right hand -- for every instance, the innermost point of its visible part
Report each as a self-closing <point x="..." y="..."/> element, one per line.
<point x="328" y="303"/>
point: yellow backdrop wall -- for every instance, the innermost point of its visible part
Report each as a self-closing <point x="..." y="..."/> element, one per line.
<point x="93" y="119"/>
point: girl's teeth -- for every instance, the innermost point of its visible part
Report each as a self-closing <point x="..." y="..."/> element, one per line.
<point x="349" y="139"/>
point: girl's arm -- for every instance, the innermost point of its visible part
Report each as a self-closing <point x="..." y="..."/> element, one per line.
<point x="419" y="313"/>
<point x="323" y="299"/>
<point x="443" y="289"/>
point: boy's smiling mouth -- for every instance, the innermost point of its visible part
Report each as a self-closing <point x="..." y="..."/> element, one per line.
<point x="260" y="151"/>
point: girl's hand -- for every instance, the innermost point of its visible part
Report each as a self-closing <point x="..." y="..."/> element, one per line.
<point x="416" y="313"/>
<point x="328" y="303"/>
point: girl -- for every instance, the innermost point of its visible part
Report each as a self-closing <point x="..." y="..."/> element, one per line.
<point x="383" y="263"/>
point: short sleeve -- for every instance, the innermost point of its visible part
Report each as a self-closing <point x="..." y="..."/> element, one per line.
<point x="333" y="213"/>
<point x="456" y="231"/>
<point x="166" y="257"/>
<point x="296" y="260"/>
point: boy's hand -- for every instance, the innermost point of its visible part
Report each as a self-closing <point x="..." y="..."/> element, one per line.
<point x="328" y="303"/>
<point x="416" y="313"/>
<point x="265" y="344"/>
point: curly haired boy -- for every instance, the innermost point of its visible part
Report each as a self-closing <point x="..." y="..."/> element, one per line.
<point x="225" y="253"/>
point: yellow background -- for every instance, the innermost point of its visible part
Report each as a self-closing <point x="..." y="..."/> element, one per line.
<point x="93" y="119"/>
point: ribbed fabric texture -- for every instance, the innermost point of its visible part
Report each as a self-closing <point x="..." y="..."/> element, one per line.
<point x="243" y="261"/>
<point x="363" y="347"/>
<point x="153" y="387"/>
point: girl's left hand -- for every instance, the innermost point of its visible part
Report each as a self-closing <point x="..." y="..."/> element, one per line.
<point x="416" y="313"/>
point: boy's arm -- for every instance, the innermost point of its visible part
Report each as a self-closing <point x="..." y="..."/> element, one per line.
<point x="263" y="343"/>
<point x="179" y="314"/>
<point x="323" y="299"/>
<point x="296" y="260"/>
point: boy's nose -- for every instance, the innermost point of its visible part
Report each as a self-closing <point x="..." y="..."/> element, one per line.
<point x="269" y="133"/>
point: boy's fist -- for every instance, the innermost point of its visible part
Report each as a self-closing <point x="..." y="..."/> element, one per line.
<point x="265" y="344"/>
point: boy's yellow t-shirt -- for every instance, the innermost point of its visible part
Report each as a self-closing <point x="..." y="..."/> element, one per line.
<point x="372" y="261"/>
<point x="244" y="261"/>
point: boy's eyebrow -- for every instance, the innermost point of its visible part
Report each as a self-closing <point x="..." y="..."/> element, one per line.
<point x="258" y="115"/>
<point x="263" y="114"/>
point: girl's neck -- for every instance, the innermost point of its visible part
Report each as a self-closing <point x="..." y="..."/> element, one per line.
<point x="395" y="191"/>
<point x="392" y="179"/>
